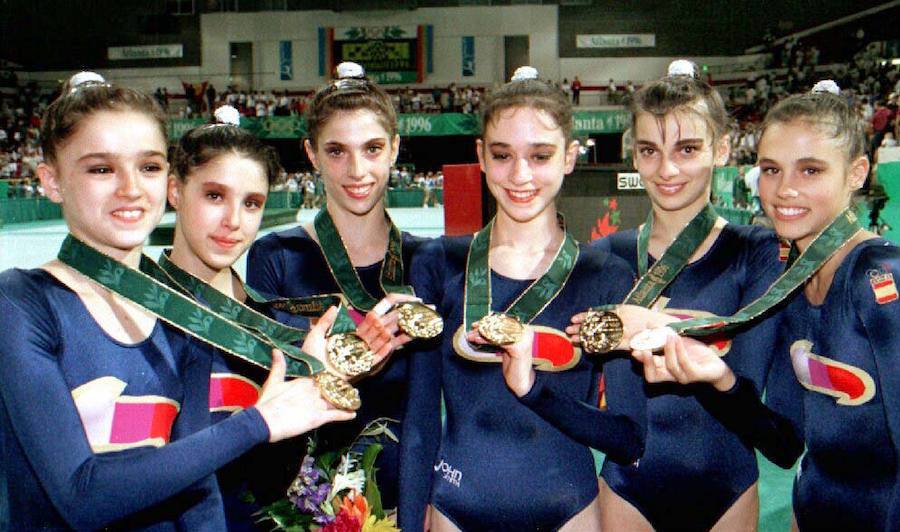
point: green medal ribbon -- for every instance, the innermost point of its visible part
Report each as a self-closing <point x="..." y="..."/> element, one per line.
<point x="652" y="282"/>
<point x="342" y="269"/>
<point x="533" y="300"/>
<point x="179" y="310"/>
<point x="823" y="247"/>
<point x="249" y="318"/>
<point x="227" y="307"/>
<point x="309" y="306"/>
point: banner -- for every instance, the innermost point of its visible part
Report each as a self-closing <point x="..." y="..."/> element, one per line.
<point x="636" y="40"/>
<point x="587" y="122"/>
<point x="468" y="56"/>
<point x="411" y="125"/>
<point x="286" y="60"/>
<point x="156" y="51"/>
<point x="390" y="54"/>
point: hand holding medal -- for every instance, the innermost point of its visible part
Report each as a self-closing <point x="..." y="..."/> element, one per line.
<point x="333" y="387"/>
<point x="516" y="343"/>
<point x="684" y="360"/>
<point x="290" y="408"/>
<point x="396" y="320"/>
<point x="623" y="327"/>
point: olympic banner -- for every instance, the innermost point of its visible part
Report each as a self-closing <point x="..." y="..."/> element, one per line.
<point x="390" y="54"/>
<point x="154" y="51"/>
<point x="412" y="125"/>
<point x="632" y="40"/>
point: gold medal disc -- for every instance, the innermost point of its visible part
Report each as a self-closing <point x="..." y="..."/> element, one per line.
<point x="337" y="391"/>
<point x="600" y="331"/>
<point x="500" y="329"/>
<point x="349" y="354"/>
<point x="419" y="321"/>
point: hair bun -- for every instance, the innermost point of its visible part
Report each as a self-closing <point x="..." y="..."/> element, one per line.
<point x="826" y="85"/>
<point x="349" y="69"/>
<point x="228" y="115"/>
<point x="683" y="67"/>
<point x="524" y="72"/>
<point x="83" y="79"/>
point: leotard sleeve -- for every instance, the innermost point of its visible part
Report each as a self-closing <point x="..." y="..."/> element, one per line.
<point x="90" y="490"/>
<point x="770" y="429"/>
<point x="619" y="429"/>
<point x="881" y="323"/>
<point x="422" y="419"/>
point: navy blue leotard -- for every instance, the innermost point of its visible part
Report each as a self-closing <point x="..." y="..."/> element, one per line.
<point x="846" y="354"/>
<point x="96" y="433"/>
<point x="501" y="464"/>
<point x="290" y="264"/>
<point x="694" y="468"/>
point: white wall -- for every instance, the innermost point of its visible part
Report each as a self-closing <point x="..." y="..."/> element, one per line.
<point x="487" y="24"/>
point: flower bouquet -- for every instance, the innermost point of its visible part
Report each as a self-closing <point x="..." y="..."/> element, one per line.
<point x="337" y="491"/>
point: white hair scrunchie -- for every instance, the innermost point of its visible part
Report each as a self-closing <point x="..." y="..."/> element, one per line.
<point x="85" y="78"/>
<point x="826" y="85"/>
<point x="228" y="115"/>
<point x="524" y="72"/>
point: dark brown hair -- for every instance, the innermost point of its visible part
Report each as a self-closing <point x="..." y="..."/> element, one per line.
<point x="75" y="104"/>
<point x="829" y="112"/>
<point x="204" y="143"/>
<point x="672" y="93"/>
<point x="349" y="94"/>
<point x="532" y="93"/>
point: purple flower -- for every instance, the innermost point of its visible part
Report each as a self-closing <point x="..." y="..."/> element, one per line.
<point x="307" y="494"/>
<point x="308" y="471"/>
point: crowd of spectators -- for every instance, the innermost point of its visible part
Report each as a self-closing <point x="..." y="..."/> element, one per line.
<point x="198" y="100"/>
<point x="309" y="188"/>
<point x="20" y="151"/>
<point x="870" y="83"/>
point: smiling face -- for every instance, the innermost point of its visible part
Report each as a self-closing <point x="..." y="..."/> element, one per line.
<point x="220" y="207"/>
<point x="524" y="156"/>
<point x="805" y="178"/>
<point x="354" y="153"/>
<point x="110" y="177"/>
<point x="675" y="157"/>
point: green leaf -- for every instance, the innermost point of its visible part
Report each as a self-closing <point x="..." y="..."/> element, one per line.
<point x="373" y="495"/>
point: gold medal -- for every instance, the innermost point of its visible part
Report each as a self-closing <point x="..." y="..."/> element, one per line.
<point x="500" y="329"/>
<point x="419" y="321"/>
<point x="337" y="391"/>
<point x="349" y="354"/>
<point x="600" y="332"/>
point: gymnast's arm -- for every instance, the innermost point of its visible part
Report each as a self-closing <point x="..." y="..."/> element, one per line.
<point x="881" y="323"/>
<point x="619" y="430"/>
<point x="93" y="490"/>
